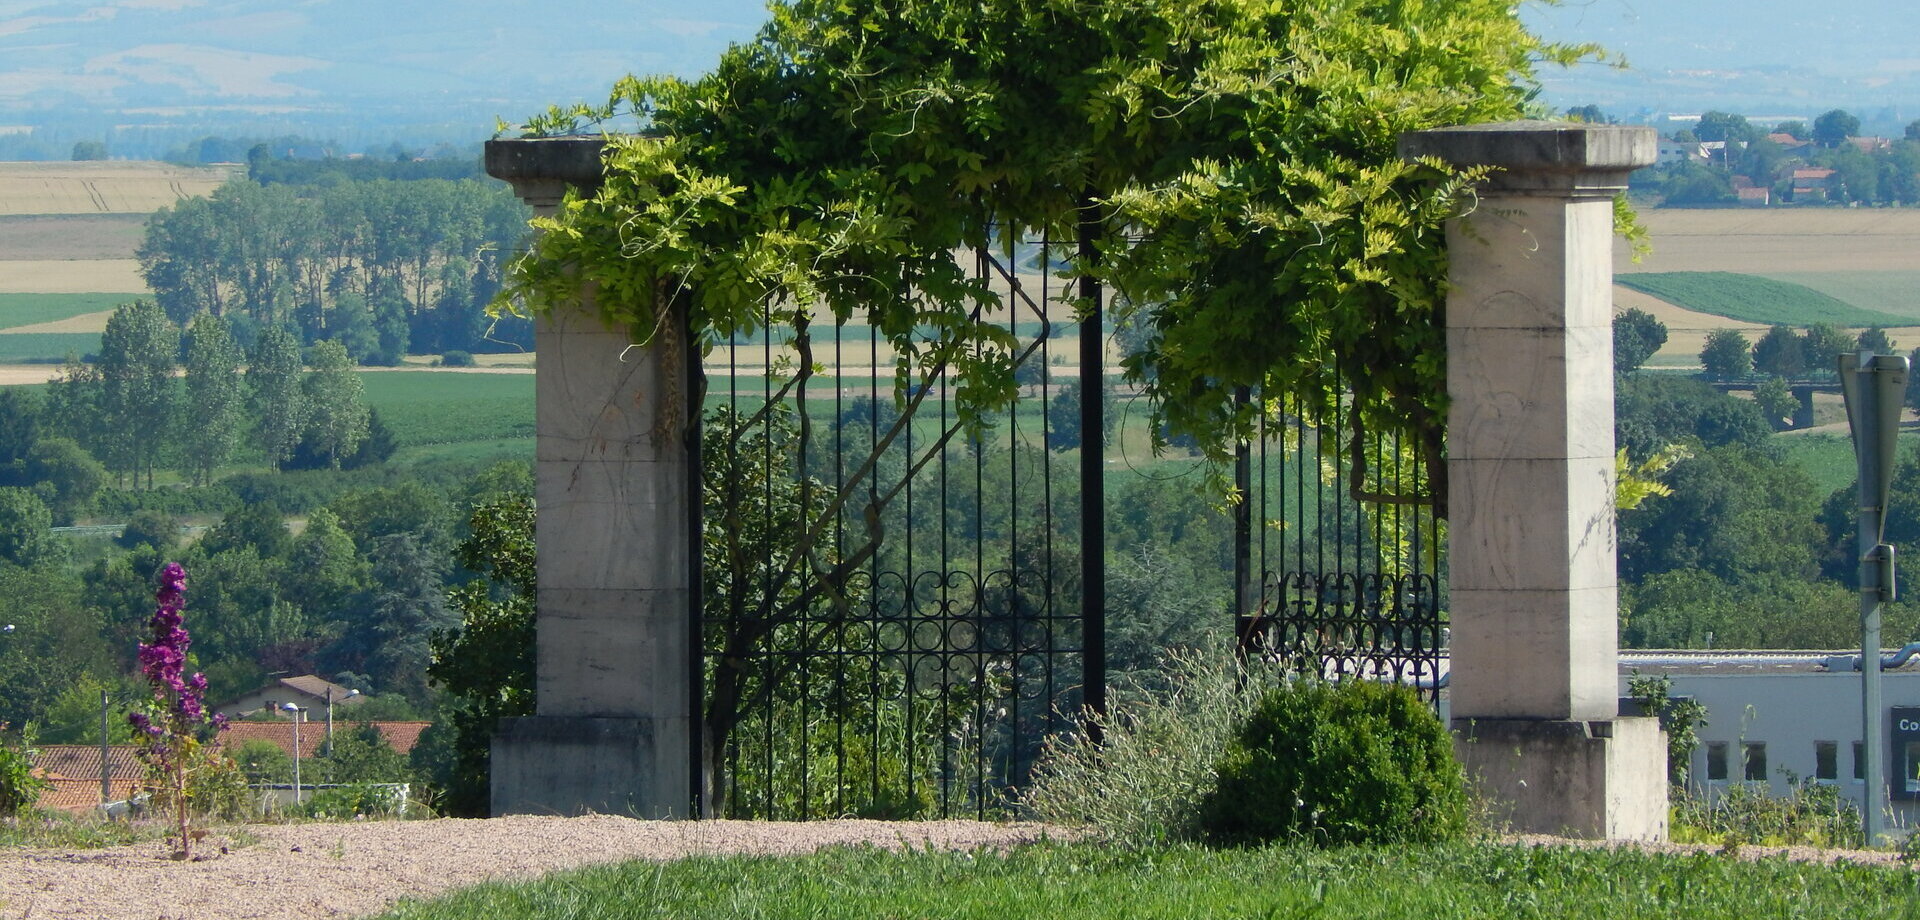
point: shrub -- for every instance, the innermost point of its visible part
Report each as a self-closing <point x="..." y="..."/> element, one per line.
<point x="1336" y="763"/>
<point x="456" y="359"/>
<point x="1812" y="814"/>
<point x="1145" y="782"/>
<point x="19" y="787"/>
<point x="357" y="800"/>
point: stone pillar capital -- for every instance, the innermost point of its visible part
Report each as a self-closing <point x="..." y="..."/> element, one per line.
<point x="542" y="169"/>
<point x="1541" y="158"/>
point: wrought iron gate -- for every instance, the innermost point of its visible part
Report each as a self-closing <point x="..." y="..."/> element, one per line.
<point x="896" y="610"/>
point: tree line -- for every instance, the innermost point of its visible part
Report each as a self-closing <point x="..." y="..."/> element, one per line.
<point x="385" y="267"/>
<point x="193" y="400"/>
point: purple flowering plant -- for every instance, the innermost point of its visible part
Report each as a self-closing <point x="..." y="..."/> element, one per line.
<point x="174" y="723"/>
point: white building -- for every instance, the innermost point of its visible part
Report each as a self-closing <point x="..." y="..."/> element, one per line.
<point x="1776" y="718"/>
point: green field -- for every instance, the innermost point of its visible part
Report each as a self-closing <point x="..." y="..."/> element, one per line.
<point x="45" y="347"/>
<point x="1753" y="299"/>
<point x="436" y="407"/>
<point x="1466" y="880"/>
<point x="28" y="309"/>
<point x="1893" y="292"/>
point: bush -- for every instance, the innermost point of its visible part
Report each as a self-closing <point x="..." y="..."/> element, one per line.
<point x="1145" y="783"/>
<point x="1812" y="814"/>
<point x="19" y="787"/>
<point x="358" y="800"/>
<point x="456" y="359"/>
<point x="1337" y="763"/>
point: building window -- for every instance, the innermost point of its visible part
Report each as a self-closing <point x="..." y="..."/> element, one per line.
<point x="1859" y="761"/>
<point x="1753" y="757"/>
<point x="1826" y="761"/>
<point x="1716" y="761"/>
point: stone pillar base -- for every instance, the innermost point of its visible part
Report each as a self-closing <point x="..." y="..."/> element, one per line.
<point x="1595" y="779"/>
<point x="574" y="765"/>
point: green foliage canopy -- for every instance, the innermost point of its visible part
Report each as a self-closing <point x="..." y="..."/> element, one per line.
<point x="1227" y="166"/>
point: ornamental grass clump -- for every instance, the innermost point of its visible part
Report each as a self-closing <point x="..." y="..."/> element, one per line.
<point x="173" y="726"/>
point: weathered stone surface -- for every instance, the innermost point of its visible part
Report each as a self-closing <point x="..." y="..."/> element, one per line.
<point x="612" y="730"/>
<point x="1541" y="154"/>
<point x="1599" y="778"/>
<point x="582" y="765"/>
<point x="1531" y="554"/>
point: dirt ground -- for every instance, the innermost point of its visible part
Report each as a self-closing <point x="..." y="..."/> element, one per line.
<point x="72" y="276"/>
<point x="304" y="871"/>
<point x="1765" y="242"/>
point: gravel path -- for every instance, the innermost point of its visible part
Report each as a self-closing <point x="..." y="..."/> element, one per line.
<point x="303" y="871"/>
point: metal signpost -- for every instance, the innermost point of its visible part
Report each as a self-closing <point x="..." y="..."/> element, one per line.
<point x="1874" y="386"/>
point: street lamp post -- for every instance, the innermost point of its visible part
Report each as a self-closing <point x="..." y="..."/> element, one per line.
<point x="350" y="695"/>
<point x="297" y="712"/>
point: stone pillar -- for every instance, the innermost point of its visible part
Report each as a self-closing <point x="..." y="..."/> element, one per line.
<point x="1530" y="456"/>
<point x="611" y="733"/>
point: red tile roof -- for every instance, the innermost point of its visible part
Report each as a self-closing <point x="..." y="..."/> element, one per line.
<point x="82" y="761"/>
<point x="82" y="795"/>
<point x="1812" y="172"/>
<point x="401" y="735"/>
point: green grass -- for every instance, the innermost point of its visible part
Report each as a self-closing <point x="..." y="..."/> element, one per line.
<point x="1076" y="882"/>
<point x="431" y="407"/>
<point x="42" y="347"/>
<point x="1894" y="292"/>
<point x="27" y="309"/>
<point x="1753" y="299"/>
<point x="1829" y="459"/>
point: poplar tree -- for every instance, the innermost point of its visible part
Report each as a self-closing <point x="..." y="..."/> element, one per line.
<point x="337" y="416"/>
<point x="138" y="351"/>
<point x="211" y="412"/>
<point x="278" y="401"/>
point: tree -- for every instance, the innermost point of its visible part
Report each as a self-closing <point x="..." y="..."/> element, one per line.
<point x="486" y="664"/>
<point x="89" y="150"/>
<point x="1726" y="355"/>
<point x="336" y="403"/>
<point x="388" y="632"/>
<point x="361" y="754"/>
<point x="211" y="412"/>
<point x="65" y="476"/>
<point x="1063" y="415"/>
<point x="1636" y="337"/>
<point x="26" y="528"/>
<point x="1913" y="130"/>
<point x="1723" y="126"/>
<point x="275" y="394"/>
<point x="1833" y="128"/>
<point x="21" y="414"/>
<point x="1143" y="118"/>
<point x="1875" y="340"/>
<point x="1780" y="353"/>
<point x="1794" y="129"/>
<point x="1822" y="345"/>
<point x="1776" y="400"/>
<point x="137" y="355"/>
<point x="1589" y="114"/>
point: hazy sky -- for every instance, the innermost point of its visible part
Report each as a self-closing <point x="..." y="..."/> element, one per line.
<point x="1750" y="56"/>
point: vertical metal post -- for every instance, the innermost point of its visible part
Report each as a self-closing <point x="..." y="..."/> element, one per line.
<point x="106" y="777"/>
<point x="1093" y="504"/>
<point x="1243" y="574"/>
<point x="1873" y="386"/>
<point x="698" y="795"/>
